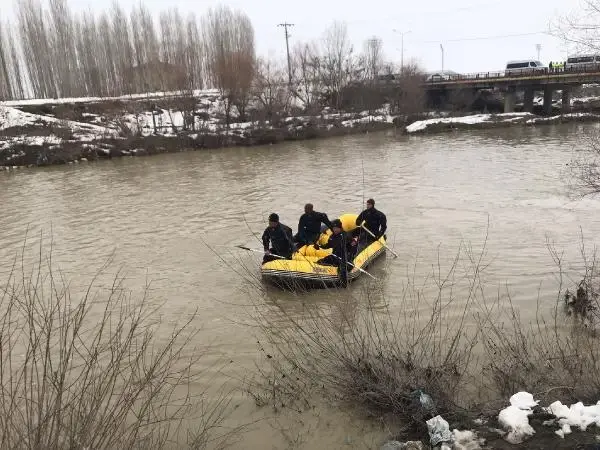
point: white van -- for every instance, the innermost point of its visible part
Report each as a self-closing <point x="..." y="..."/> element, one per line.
<point x="582" y="61"/>
<point x="524" y="66"/>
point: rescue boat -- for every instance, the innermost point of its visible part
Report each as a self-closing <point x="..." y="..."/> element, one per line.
<point x="303" y="271"/>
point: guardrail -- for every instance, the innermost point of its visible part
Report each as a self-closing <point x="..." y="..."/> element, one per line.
<point x="517" y="73"/>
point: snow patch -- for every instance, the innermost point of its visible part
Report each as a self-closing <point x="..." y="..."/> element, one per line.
<point x="421" y="125"/>
<point x="146" y="96"/>
<point x="515" y="418"/>
<point x="523" y="400"/>
<point x="577" y="415"/>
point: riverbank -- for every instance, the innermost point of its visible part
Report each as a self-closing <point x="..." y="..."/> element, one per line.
<point x="66" y="131"/>
<point x="486" y="121"/>
<point x="42" y="132"/>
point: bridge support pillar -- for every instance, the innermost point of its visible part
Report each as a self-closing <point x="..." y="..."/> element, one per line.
<point x="548" y="101"/>
<point x="510" y="98"/>
<point x="528" y="100"/>
<point x="566" y="100"/>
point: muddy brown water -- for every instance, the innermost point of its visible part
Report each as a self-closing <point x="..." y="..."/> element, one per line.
<point x="156" y="216"/>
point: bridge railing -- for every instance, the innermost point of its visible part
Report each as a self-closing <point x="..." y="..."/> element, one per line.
<point x="517" y="73"/>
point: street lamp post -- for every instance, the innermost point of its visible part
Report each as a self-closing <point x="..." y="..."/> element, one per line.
<point x="401" y="33"/>
<point x="442" y="49"/>
<point x="538" y="47"/>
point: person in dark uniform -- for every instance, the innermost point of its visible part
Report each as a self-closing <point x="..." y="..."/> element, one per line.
<point x="374" y="220"/>
<point x="280" y="237"/>
<point x="309" y="226"/>
<point x="339" y="256"/>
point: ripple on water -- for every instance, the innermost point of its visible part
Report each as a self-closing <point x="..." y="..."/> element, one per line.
<point x="156" y="215"/>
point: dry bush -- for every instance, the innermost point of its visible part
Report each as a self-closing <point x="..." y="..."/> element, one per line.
<point x="90" y="371"/>
<point x="355" y="349"/>
<point x="553" y="356"/>
<point x="583" y="172"/>
<point x="442" y="337"/>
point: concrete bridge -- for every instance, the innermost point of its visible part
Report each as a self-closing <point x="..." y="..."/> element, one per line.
<point x="529" y="82"/>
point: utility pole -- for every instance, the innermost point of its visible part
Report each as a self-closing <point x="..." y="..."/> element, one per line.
<point x="538" y="47"/>
<point x="285" y="26"/>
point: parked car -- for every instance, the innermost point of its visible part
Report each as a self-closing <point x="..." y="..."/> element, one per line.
<point x="523" y="66"/>
<point x="442" y="75"/>
<point x="583" y="62"/>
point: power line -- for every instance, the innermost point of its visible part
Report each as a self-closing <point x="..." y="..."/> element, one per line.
<point x="420" y="14"/>
<point x="285" y="26"/>
<point x="486" y="38"/>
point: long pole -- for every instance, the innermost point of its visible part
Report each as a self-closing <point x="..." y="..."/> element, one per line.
<point x="285" y="26"/>
<point x="442" y="48"/>
<point x="402" y="33"/>
<point x="402" y="53"/>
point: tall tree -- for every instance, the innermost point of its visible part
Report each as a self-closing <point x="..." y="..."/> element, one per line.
<point x="306" y="68"/>
<point x="372" y="57"/>
<point x="271" y="87"/>
<point x="230" y="56"/>
<point x="337" y="64"/>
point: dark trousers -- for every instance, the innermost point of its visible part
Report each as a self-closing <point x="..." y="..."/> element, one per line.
<point x="331" y="260"/>
<point x="303" y="238"/>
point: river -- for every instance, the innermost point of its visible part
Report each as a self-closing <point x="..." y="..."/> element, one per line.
<point x="155" y="216"/>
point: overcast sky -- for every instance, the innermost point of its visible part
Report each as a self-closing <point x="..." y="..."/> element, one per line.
<point x="477" y="35"/>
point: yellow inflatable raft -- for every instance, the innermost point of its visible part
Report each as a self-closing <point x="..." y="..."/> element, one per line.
<point x="303" y="270"/>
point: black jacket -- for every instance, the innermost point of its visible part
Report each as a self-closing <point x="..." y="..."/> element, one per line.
<point x="280" y="238"/>
<point x="375" y="221"/>
<point x="338" y="242"/>
<point x="310" y="223"/>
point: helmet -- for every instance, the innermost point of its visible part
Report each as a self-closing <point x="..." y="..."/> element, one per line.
<point x="336" y="223"/>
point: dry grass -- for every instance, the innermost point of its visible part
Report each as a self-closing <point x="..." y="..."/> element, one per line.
<point x="354" y="348"/>
<point x="93" y="371"/>
<point x="468" y="353"/>
<point x="558" y="355"/>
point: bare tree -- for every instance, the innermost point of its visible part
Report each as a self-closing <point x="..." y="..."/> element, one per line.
<point x="36" y="43"/>
<point x="337" y="63"/>
<point x="229" y="43"/>
<point x="306" y="74"/>
<point x="6" y="89"/>
<point x="63" y="47"/>
<point x="56" y="53"/>
<point x="410" y="98"/>
<point x="271" y="87"/>
<point x="372" y="57"/>
<point x="121" y="33"/>
<point x="580" y="28"/>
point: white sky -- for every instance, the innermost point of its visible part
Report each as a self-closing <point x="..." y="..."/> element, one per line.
<point x="431" y="22"/>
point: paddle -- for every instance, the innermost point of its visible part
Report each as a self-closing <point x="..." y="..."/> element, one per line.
<point x="259" y="251"/>
<point x="356" y="267"/>
<point x="362" y="225"/>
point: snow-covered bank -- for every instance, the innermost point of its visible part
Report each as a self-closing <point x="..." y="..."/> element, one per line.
<point x="493" y="120"/>
<point x="38" y="134"/>
<point x="523" y="424"/>
<point x="132" y="97"/>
